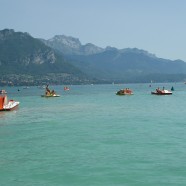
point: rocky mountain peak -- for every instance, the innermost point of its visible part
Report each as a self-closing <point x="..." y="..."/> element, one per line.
<point x="6" y="33"/>
<point x="68" y="41"/>
<point x="69" y="45"/>
<point x="90" y="49"/>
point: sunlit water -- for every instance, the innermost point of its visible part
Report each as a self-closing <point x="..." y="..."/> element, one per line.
<point x="91" y="137"/>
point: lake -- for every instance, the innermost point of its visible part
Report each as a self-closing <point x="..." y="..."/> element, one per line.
<point x="91" y="137"/>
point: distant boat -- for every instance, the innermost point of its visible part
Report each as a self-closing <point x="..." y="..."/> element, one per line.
<point x="124" y="92"/>
<point x="172" y="88"/>
<point x="7" y="105"/>
<point x="3" y="92"/>
<point x="49" y="93"/>
<point x="161" y="92"/>
<point x="66" y="88"/>
<point x="26" y="87"/>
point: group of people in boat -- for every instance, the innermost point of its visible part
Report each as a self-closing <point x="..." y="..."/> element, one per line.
<point x="48" y="92"/>
<point x="160" y="91"/>
<point x="125" y="91"/>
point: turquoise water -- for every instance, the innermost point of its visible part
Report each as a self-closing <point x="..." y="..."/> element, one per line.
<point x="91" y="137"/>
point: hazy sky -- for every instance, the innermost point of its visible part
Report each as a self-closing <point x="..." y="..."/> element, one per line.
<point x="158" y="26"/>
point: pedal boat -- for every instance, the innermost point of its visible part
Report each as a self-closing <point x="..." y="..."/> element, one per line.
<point x="124" y="92"/>
<point x="7" y="105"/>
<point x="162" y="92"/>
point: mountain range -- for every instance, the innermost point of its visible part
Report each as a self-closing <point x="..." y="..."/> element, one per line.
<point x="119" y="65"/>
<point x="64" y="59"/>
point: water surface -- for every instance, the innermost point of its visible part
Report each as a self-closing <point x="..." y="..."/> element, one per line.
<point x="90" y="136"/>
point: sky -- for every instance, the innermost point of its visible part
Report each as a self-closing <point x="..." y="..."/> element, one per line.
<point x="157" y="26"/>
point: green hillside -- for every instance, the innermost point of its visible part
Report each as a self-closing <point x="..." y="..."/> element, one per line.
<point x="21" y="54"/>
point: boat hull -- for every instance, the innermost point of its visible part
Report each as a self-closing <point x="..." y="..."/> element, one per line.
<point x="12" y="105"/>
<point x="123" y="94"/>
<point x="161" y="93"/>
<point x="51" y="96"/>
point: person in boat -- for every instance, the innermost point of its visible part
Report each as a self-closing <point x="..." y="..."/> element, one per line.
<point x="53" y="92"/>
<point x="47" y="89"/>
<point x="128" y="91"/>
<point x="125" y="90"/>
<point x="66" y="88"/>
<point x="158" y="90"/>
<point x="47" y="92"/>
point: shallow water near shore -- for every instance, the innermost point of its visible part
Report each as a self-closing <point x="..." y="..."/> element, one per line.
<point x="90" y="136"/>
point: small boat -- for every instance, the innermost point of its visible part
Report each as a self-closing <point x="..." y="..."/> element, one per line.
<point x="126" y="91"/>
<point x="66" y="88"/>
<point x="3" y="92"/>
<point x="49" y="93"/>
<point x="162" y="92"/>
<point x="26" y="87"/>
<point x="7" y="105"/>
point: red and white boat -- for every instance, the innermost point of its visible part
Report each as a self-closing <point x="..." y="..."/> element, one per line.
<point x="7" y="105"/>
<point x="162" y="92"/>
<point x="66" y="88"/>
<point x="126" y="91"/>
